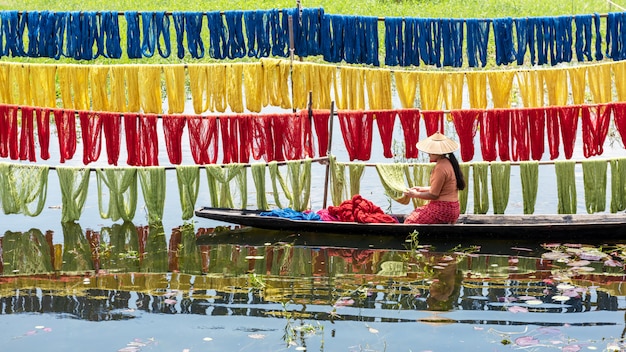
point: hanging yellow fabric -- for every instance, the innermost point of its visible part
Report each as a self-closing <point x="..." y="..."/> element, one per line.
<point x="481" y="188"/>
<point x="254" y="86"/>
<point x="118" y="88"/>
<point x="64" y="73"/>
<point x="285" y="74"/>
<point x="393" y="179"/>
<point x="301" y="84"/>
<point x="351" y="96"/>
<point x="198" y="86"/>
<point x="6" y="95"/>
<point x="531" y="88"/>
<point x="276" y="78"/>
<point x="43" y="78"/>
<point x="463" y="194"/>
<point x="500" y="85"/>
<point x="322" y="78"/>
<point x="150" y="89"/>
<point x="406" y="84"/>
<point x="98" y="79"/>
<point x="619" y="70"/>
<point x="132" y="86"/>
<point x="566" y="186"/>
<point x="555" y="81"/>
<point x="618" y="184"/>
<point x="20" y="77"/>
<point x="453" y="90"/>
<point x="431" y="90"/>
<point x="378" y="84"/>
<point x="529" y="175"/>
<point x="80" y="87"/>
<point x="258" y="176"/>
<point x="175" y="88"/>
<point x="594" y="179"/>
<point x="500" y="185"/>
<point x="217" y="88"/>
<point x="234" y="87"/>
<point x="577" y="83"/>
<point x="477" y="89"/>
<point x="600" y="83"/>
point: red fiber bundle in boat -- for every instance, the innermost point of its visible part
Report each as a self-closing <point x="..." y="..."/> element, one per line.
<point x="359" y="209"/>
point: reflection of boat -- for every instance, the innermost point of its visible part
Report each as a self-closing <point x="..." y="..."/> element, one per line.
<point x="537" y="226"/>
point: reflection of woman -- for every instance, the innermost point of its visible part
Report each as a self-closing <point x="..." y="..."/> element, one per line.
<point x="446" y="180"/>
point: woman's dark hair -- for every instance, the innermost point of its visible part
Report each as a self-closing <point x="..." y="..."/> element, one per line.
<point x="460" y="180"/>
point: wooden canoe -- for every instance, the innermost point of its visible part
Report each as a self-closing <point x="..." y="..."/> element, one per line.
<point x="551" y="226"/>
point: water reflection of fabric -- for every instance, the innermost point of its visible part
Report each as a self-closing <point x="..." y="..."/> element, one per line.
<point x="25" y="253"/>
<point x="445" y="288"/>
<point x="76" y="249"/>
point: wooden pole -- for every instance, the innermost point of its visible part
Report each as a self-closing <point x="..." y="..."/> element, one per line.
<point x="328" y="150"/>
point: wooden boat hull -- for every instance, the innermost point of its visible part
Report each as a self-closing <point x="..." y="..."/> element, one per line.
<point x="554" y="226"/>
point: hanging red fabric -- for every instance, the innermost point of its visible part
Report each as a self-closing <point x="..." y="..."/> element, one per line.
<point x="356" y="128"/>
<point x="65" y="121"/>
<point x="91" y="132"/>
<point x="5" y="128"/>
<point x="433" y="120"/>
<point x="173" y="127"/>
<point x="307" y="134"/>
<point x="410" y="122"/>
<point x="229" y="129"/>
<point x="27" y="135"/>
<point x="43" y="132"/>
<point x="520" y="136"/>
<point x="568" y="118"/>
<point x="294" y="136"/>
<point x="278" y="135"/>
<point x="465" y="123"/>
<point x="385" y="120"/>
<point x="619" y="115"/>
<point x="321" y="120"/>
<point x="141" y="139"/>
<point x="595" y="126"/>
<point x="245" y="137"/>
<point x="536" y="125"/>
<point x="260" y="127"/>
<point x="503" y="117"/>
<point x="203" y="139"/>
<point x="553" y="128"/>
<point x="111" y="128"/>
<point x="488" y="122"/>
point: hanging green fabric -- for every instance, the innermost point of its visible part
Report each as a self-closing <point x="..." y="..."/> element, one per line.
<point x="594" y="179"/>
<point x="275" y="175"/>
<point x="392" y="177"/>
<point x="122" y="185"/>
<point x="21" y="187"/>
<point x="299" y="176"/>
<point x="220" y="177"/>
<point x="74" y="184"/>
<point x="464" y="194"/>
<point x="258" y="175"/>
<point x="565" y="186"/>
<point x="481" y="188"/>
<point x="618" y="184"/>
<point x="152" y="180"/>
<point x="421" y="177"/>
<point x="529" y="174"/>
<point x="500" y="185"/>
<point x="337" y="181"/>
<point x="355" y="170"/>
<point x="188" y="178"/>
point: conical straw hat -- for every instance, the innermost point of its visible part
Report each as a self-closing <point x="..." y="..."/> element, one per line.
<point x="437" y="144"/>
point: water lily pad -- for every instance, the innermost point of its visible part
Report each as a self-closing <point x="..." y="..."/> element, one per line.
<point x="579" y="263"/>
<point x="534" y="302"/>
<point x="564" y="286"/>
<point x="526" y="341"/>
<point x="561" y="298"/>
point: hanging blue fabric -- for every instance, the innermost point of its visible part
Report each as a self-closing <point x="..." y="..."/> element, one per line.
<point x="452" y="41"/>
<point x="193" y="26"/>
<point x="503" y="37"/>
<point x="333" y="28"/>
<point x="563" y="38"/>
<point x="133" y="33"/>
<point x="477" y="41"/>
<point x="430" y="41"/>
<point x="73" y="49"/>
<point x="394" y="43"/>
<point x="258" y="33"/>
<point x="596" y="21"/>
<point x="13" y="33"/>
<point x="350" y="40"/>
<point x="149" y="33"/>
<point x="235" y="44"/>
<point x="179" y="29"/>
<point x="369" y="42"/>
<point x="62" y="32"/>
<point x="111" y="33"/>
<point x="48" y="39"/>
<point x="95" y="36"/>
<point x="310" y="32"/>
<point x="545" y="39"/>
<point x="163" y="34"/>
<point x="521" y="34"/>
<point x="217" y="35"/>
<point x="583" y="37"/>
<point x="278" y="34"/>
<point x="411" y="48"/>
<point x="616" y="36"/>
<point x="32" y="20"/>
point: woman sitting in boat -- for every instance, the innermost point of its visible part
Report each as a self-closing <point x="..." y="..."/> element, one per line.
<point x="446" y="179"/>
